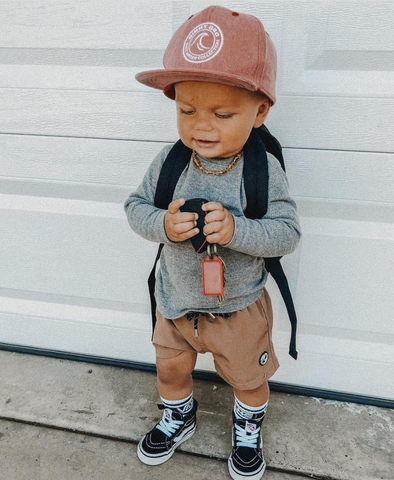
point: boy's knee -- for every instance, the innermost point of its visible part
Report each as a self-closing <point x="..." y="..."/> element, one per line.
<point x="181" y="366"/>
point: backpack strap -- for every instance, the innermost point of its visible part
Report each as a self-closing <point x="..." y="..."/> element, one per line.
<point x="174" y="164"/>
<point x="271" y="144"/>
<point x="255" y="173"/>
<point x="256" y="180"/>
<point x="274" y="267"/>
<point x="151" y="287"/>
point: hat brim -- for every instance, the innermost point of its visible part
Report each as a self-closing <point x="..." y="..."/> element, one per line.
<point x="164" y="80"/>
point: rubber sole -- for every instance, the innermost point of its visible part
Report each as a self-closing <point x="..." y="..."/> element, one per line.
<point x="160" y="459"/>
<point x="235" y="475"/>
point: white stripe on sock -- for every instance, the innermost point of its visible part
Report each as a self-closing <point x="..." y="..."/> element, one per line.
<point x="244" y="411"/>
<point x="184" y="405"/>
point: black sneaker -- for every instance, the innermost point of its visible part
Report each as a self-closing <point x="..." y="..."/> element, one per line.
<point x="246" y="459"/>
<point x="160" y="443"/>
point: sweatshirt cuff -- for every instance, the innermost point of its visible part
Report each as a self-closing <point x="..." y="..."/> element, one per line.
<point x="233" y="242"/>
<point x="165" y="237"/>
<point x="160" y="228"/>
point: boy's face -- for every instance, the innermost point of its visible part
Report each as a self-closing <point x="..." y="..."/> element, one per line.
<point x="216" y="120"/>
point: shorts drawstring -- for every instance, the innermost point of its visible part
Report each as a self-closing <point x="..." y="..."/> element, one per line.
<point x="195" y="316"/>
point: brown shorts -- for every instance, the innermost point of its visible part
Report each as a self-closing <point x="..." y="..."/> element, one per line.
<point x="241" y="345"/>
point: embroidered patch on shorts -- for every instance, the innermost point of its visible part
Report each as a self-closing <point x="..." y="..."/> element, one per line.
<point x="263" y="358"/>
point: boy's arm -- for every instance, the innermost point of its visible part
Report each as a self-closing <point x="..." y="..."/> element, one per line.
<point x="144" y="218"/>
<point x="278" y="232"/>
<point x="155" y="224"/>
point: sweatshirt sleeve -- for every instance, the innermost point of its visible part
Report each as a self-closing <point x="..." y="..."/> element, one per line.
<point x="144" y="218"/>
<point x="278" y="232"/>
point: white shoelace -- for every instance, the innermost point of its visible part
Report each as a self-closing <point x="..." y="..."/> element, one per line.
<point x="245" y="437"/>
<point x="167" y="424"/>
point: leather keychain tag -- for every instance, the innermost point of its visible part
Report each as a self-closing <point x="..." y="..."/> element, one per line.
<point x="212" y="276"/>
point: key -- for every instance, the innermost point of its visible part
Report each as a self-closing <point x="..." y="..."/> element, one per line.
<point x="221" y="297"/>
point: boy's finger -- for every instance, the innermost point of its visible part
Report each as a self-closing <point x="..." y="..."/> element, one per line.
<point x="184" y="227"/>
<point x="187" y="235"/>
<point x="210" y="206"/>
<point x="175" y="205"/>
<point x="214" y="216"/>
<point x="193" y="233"/>
<point x="182" y="217"/>
<point x="212" y="228"/>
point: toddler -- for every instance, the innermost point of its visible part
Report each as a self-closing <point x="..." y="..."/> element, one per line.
<point x="220" y="69"/>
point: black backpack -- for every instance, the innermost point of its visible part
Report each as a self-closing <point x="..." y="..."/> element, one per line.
<point x="255" y="175"/>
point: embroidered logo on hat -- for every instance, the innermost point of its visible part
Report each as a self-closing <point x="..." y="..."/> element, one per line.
<point x="203" y="43"/>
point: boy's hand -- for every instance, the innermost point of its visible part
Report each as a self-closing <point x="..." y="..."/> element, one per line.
<point x="219" y="222"/>
<point x="180" y="226"/>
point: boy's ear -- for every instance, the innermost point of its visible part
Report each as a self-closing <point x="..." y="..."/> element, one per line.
<point x="262" y="113"/>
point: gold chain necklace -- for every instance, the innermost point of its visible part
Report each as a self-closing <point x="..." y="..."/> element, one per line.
<point x="213" y="172"/>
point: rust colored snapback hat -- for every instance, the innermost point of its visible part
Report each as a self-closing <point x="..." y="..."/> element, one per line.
<point x="220" y="46"/>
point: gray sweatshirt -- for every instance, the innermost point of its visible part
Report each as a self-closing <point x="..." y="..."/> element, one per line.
<point x="178" y="283"/>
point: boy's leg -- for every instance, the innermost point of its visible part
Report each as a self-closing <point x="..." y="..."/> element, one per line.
<point x="244" y="357"/>
<point x="246" y="459"/>
<point x="254" y="398"/>
<point x="174" y="375"/>
<point x="178" y="422"/>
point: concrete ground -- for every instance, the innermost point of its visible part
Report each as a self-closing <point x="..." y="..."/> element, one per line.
<point x="77" y="421"/>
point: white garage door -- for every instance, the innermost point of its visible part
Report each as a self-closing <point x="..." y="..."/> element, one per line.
<point x="78" y="132"/>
